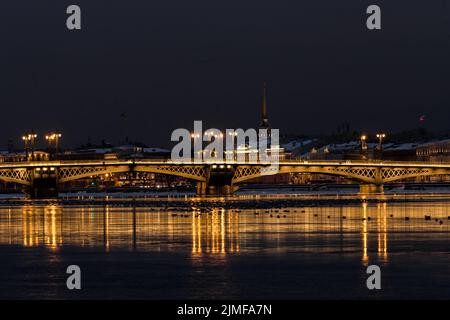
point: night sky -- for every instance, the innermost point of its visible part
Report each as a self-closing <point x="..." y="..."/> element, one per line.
<point x="166" y="63"/>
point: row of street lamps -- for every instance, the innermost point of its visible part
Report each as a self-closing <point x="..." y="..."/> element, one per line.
<point x="29" y="141"/>
<point x="380" y="136"/>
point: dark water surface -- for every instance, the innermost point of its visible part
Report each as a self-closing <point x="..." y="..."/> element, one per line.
<point x="216" y="253"/>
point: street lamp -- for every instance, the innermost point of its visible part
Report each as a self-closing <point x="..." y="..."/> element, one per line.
<point x="380" y="137"/>
<point x="25" y="142"/>
<point x="53" y="138"/>
<point x="29" y="138"/>
<point x="363" y="139"/>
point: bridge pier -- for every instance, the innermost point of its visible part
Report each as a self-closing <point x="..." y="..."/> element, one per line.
<point x="219" y="181"/>
<point x="371" y="188"/>
<point x="201" y="188"/>
<point x="43" y="188"/>
<point x="43" y="183"/>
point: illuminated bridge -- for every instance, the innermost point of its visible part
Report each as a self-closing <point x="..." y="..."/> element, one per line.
<point x="42" y="178"/>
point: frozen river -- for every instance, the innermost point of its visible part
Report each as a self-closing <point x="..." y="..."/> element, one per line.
<point x="205" y="250"/>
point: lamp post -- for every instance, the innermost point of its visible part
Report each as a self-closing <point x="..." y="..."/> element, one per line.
<point x="33" y="137"/>
<point x="29" y="138"/>
<point x="53" y="137"/>
<point x="363" y="139"/>
<point x="380" y="137"/>
<point x="25" y="142"/>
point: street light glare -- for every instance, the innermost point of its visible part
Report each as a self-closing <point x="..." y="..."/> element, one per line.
<point x="29" y="137"/>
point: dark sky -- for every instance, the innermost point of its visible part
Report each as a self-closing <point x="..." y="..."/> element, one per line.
<point x="169" y="62"/>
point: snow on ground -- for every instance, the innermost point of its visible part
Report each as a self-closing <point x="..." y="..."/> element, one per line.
<point x="296" y="144"/>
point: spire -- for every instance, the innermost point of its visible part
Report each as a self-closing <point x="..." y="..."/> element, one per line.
<point x="264" y="116"/>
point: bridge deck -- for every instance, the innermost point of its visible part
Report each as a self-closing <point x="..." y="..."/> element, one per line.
<point x="157" y="162"/>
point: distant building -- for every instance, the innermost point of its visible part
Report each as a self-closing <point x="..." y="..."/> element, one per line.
<point x="352" y="151"/>
<point x="88" y="154"/>
<point x="6" y="156"/>
<point x="337" y="151"/>
<point x="134" y="151"/>
<point x="128" y="151"/>
<point x="436" y="151"/>
<point x="400" y="152"/>
<point x="275" y="152"/>
<point x="264" y="124"/>
<point x="38" y="156"/>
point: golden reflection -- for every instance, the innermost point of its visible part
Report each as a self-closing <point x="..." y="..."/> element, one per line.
<point x="222" y="231"/>
<point x="385" y="232"/>
<point x="233" y="231"/>
<point x="196" y="233"/>
<point x="365" y="256"/>
<point x="52" y="233"/>
<point x="214" y="230"/>
<point x="40" y="225"/>
<point x="382" y="229"/>
<point x="9" y="226"/>
<point x="30" y="226"/>
<point x="106" y="227"/>
<point x="378" y="229"/>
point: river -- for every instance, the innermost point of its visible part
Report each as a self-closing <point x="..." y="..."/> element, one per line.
<point x="206" y="250"/>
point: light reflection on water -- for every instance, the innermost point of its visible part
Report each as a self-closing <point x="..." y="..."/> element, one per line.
<point x="204" y="251"/>
<point x="367" y="228"/>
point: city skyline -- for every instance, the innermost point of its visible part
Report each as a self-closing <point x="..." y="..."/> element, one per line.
<point x="420" y="133"/>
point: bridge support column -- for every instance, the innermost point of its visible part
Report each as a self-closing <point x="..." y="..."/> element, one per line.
<point x="371" y="188"/>
<point x="201" y="188"/>
<point x="43" y="189"/>
<point x="43" y="183"/>
<point x="219" y="181"/>
<point x="206" y="189"/>
<point x="220" y="190"/>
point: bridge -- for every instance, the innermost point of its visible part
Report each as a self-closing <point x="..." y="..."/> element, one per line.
<point x="41" y="178"/>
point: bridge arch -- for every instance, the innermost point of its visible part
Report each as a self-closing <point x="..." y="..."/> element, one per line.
<point x="193" y="172"/>
<point x="398" y="173"/>
<point x="365" y="174"/>
<point x="66" y="174"/>
<point x="17" y="175"/>
<point x="198" y="173"/>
